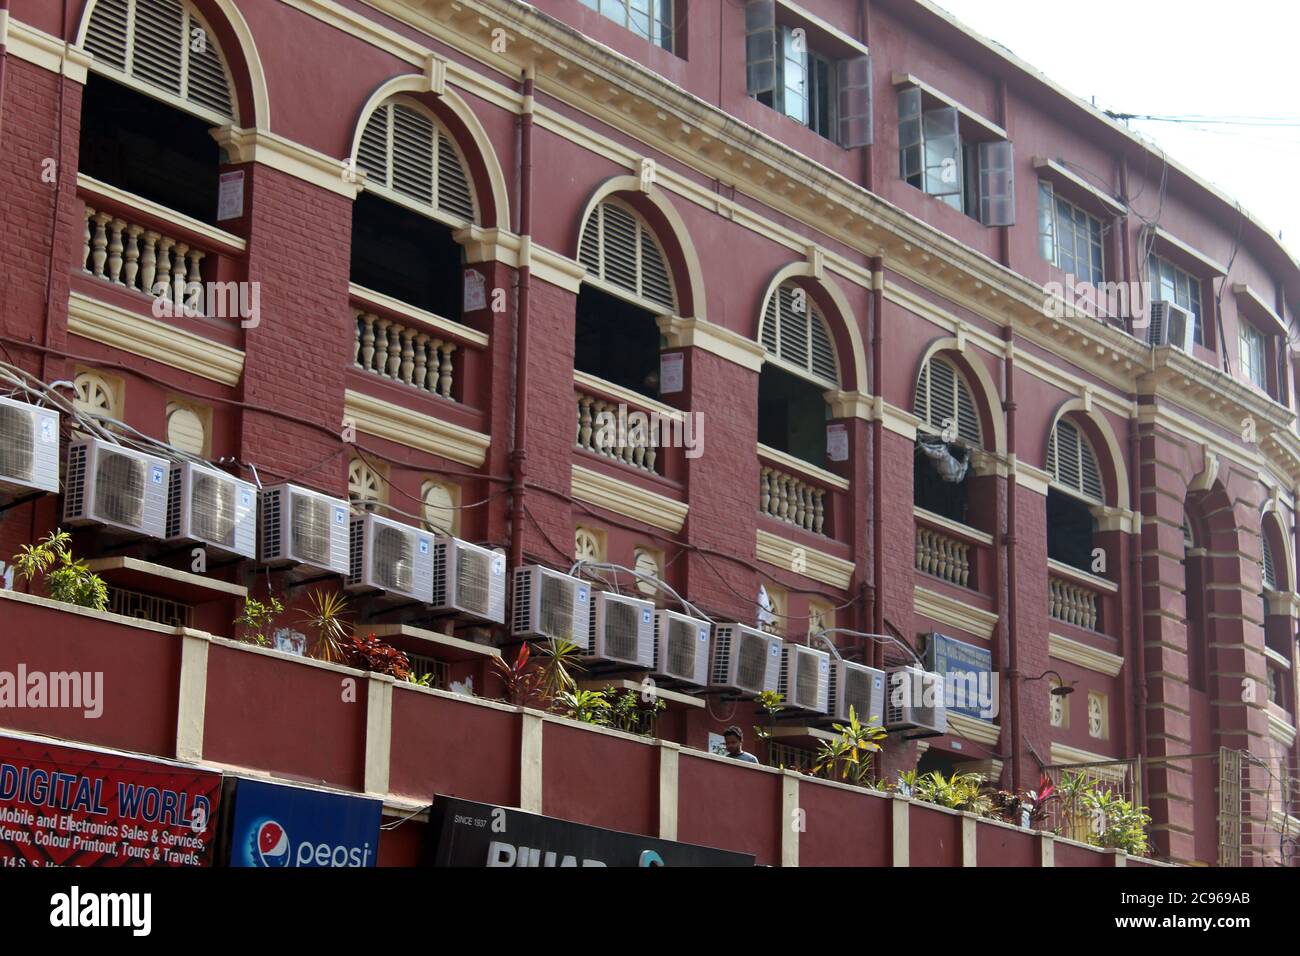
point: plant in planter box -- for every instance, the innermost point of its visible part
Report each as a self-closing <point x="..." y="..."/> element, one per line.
<point x="328" y="610"/>
<point x="1119" y="824"/>
<point x="586" y="706"/>
<point x="961" y="791"/>
<point x="1026" y="808"/>
<point x="520" y="681"/>
<point x="372" y="654"/>
<point x="67" y="579"/>
<point x="256" y="619"/>
<point x="627" y="714"/>
<point x="771" y="703"/>
<point x="849" y="755"/>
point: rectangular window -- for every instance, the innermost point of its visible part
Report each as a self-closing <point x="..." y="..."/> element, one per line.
<point x="649" y="19"/>
<point x="832" y="97"/>
<point x="971" y="175"/>
<point x="1171" y="284"/>
<point x="1252" y="355"/>
<point x="1069" y="238"/>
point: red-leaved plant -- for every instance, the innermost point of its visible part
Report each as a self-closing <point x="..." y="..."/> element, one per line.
<point x="372" y="654"/>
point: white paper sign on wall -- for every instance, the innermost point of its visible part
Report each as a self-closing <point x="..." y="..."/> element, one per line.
<point x="671" y="374"/>
<point x="475" y="291"/>
<point x="837" y="442"/>
<point x="230" y="197"/>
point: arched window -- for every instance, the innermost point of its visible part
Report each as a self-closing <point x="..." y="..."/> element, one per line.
<point x="165" y="46"/>
<point x="1075" y="490"/>
<point x="950" y="428"/>
<point x="407" y="154"/>
<point x="158" y="84"/>
<point x="1194" y="605"/>
<point x="800" y="368"/>
<point x="619" y="248"/>
<point x="1270" y="569"/>
<point x="418" y="190"/>
<point x="616" y="336"/>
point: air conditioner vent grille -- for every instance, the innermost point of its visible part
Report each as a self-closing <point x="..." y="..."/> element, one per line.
<point x="310" y="529"/>
<point x="17" y="449"/>
<point x="557" y="609"/>
<point x="473" y="580"/>
<point x="212" y="509"/>
<point x="393" y="559"/>
<point x="621" y="631"/>
<point x="751" y="669"/>
<point x="119" y="488"/>
<point x="681" y="648"/>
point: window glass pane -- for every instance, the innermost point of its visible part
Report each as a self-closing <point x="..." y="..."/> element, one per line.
<point x="795" y="77"/>
<point x="1046" y="222"/>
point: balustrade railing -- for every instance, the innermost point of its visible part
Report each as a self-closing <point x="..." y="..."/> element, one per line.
<point x="791" y="499"/>
<point x="610" y="426"/>
<point x="942" y="555"/>
<point x="402" y="353"/>
<point x="1072" y="602"/>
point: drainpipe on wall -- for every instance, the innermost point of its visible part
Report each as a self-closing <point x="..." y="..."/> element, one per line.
<point x="519" y="453"/>
<point x="1013" y="656"/>
<point x="877" y="453"/>
<point x="1136" y="643"/>
<point x="4" y="56"/>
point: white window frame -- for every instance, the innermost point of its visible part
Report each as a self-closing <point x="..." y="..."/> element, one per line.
<point x="652" y="20"/>
<point x="1252" y="354"/>
<point x="1051" y="230"/>
<point x="1185" y="287"/>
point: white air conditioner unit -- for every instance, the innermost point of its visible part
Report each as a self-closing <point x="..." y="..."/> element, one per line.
<point x="805" y="678"/>
<point x="1171" y="325"/>
<point x="548" y="604"/>
<point x="745" y="659"/>
<point x="29" y="448"/>
<point x="682" y="647"/>
<point x="210" y="507"/>
<point x="915" y="701"/>
<point x="857" y="686"/>
<point x="388" y="556"/>
<point x="622" y="630"/>
<point x="301" y="526"/>
<point x="469" y="580"/>
<point x="117" y="487"/>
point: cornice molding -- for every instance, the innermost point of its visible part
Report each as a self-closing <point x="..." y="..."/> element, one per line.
<point x="952" y="612"/>
<point x="374" y="416"/>
<point x="1082" y="655"/>
<point x="627" y="499"/>
<point x="703" y="334"/>
<point x="787" y="555"/>
<point x="970" y="728"/>
<point x="1280" y="730"/>
<point x="269" y="149"/>
<point x="44" y="50"/>
<point x="157" y="341"/>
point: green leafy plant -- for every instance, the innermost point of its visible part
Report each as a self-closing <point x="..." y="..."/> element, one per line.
<point x="372" y="654"/>
<point x="1074" y="821"/>
<point x="770" y="703"/>
<point x="560" y="659"/>
<point x="960" y="791"/>
<point x="1014" y="807"/>
<point x="328" y="610"/>
<point x="257" y="617"/>
<point x="67" y="578"/>
<point x="1120" y="825"/>
<point x="627" y="713"/>
<point x="849" y="756"/>
<point x="421" y="680"/>
<point x="587" y="706"/>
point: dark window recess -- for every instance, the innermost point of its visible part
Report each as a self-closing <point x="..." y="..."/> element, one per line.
<point x="137" y="143"/>
<point x="616" y="341"/>
<point x="934" y="493"/>
<point x="792" y="415"/>
<point x="935" y="761"/>
<point x="405" y="255"/>
<point x="1070" y="526"/>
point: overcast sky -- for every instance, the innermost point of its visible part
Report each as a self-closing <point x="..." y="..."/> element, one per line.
<point x="1177" y="58"/>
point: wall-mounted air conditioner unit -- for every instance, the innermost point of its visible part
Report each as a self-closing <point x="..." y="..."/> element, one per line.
<point x="857" y="686"/>
<point x="682" y="647"/>
<point x="301" y="526"/>
<point x="548" y="604"/>
<point x="388" y="556"/>
<point x="745" y="659"/>
<point x="469" y="580"/>
<point x="622" y="630"/>
<point x="1171" y="325"/>
<point x="117" y="487"/>
<point x="29" y="448"/>
<point x="914" y="700"/>
<point x="805" y="678"/>
<point x="212" y="508"/>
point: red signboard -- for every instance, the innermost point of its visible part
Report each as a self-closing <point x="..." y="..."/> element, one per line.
<point x="63" y="806"/>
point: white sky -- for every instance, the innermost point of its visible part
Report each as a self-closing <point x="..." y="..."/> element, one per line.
<point x="1177" y="58"/>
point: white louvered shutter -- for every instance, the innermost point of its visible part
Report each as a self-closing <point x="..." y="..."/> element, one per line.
<point x="942" y="395"/>
<point x="163" y="44"/>
<point x="618" y="247"/>
<point x="797" y="336"/>
<point x="1072" y="462"/>
<point x="405" y="150"/>
<point x="1270" y="569"/>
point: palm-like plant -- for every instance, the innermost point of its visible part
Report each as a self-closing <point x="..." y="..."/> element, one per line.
<point x="560" y="659"/>
<point x="849" y="755"/>
<point x="328" y="609"/>
<point x="960" y="791"/>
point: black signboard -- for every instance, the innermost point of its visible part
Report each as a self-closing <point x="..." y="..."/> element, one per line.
<point x="464" y="833"/>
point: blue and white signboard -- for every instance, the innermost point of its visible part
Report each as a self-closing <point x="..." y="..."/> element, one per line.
<point x="278" y="826"/>
<point x="969" y="686"/>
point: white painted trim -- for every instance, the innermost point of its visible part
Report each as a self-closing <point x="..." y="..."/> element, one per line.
<point x="952" y="612"/>
<point x="530" y="761"/>
<point x="907" y="79"/>
<point x="1083" y="655"/>
<point x="192" y="696"/>
<point x="789" y="809"/>
<point x="900" y="831"/>
<point x="802" y="468"/>
<point x="1056" y="169"/>
<point x="669" y="788"/>
<point x="379" y="732"/>
<point x="969" y="840"/>
<point x="1168" y="238"/>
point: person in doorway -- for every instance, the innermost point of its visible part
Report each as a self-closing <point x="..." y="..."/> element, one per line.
<point x="735" y="741"/>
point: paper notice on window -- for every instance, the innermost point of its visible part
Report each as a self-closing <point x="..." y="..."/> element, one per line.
<point x="671" y="373"/>
<point x="230" y="198"/>
<point x="837" y="442"/>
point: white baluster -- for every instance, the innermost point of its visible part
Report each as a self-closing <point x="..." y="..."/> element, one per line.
<point x="99" y="245"/>
<point x="132" y="255"/>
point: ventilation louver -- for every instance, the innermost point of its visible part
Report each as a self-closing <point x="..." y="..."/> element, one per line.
<point x="29" y="448"/>
<point x="212" y="508"/>
<point x="744" y="659"/>
<point x="304" y="527"/>
<point x="116" y="486"/>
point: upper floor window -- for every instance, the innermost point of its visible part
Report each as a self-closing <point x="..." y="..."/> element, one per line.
<point x="1069" y="238"/>
<point x="1252" y="354"/>
<point x="950" y="428"/>
<point x="951" y="156"/>
<point x="1171" y="284"/>
<point x="1076" y="490"/>
<point x="651" y="20"/>
<point x="618" y="248"/>
<point x="800" y="369"/>
<point x="408" y="156"/>
<point x="1072" y="463"/>
<point x="829" y="94"/>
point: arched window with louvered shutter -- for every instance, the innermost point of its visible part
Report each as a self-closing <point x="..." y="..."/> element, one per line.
<point x="944" y="402"/>
<point x="1072" y="462"/>
<point x="165" y="48"/>
<point x="1270" y="569"/>
<point x="795" y="332"/>
<point x="408" y="155"/>
<point x="620" y="249"/>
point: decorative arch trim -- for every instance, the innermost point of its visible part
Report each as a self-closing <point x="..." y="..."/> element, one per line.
<point x="842" y="320"/>
<point x="1284" y="563"/>
<point x="981" y="380"/>
<point x="1110" y="445"/>
<point x="690" y="287"/>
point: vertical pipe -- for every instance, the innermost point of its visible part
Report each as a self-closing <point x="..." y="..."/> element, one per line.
<point x="1012" y="697"/>
<point x="4" y="57"/>
<point x="519" y="454"/>
<point x="877" y="449"/>
<point x="59" y="173"/>
<point x="1136" y="642"/>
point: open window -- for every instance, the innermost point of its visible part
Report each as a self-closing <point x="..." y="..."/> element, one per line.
<point x="1076" y="489"/>
<point x="157" y="85"/>
<point x="418" y="191"/>
<point x="1171" y="283"/>
<point x="955" y="155"/>
<point x="949" y="431"/>
<point x="799" y="369"/>
<point x="628" y="287"/>
<point x="803" y="71"/>
<point x="653" y="20"/>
